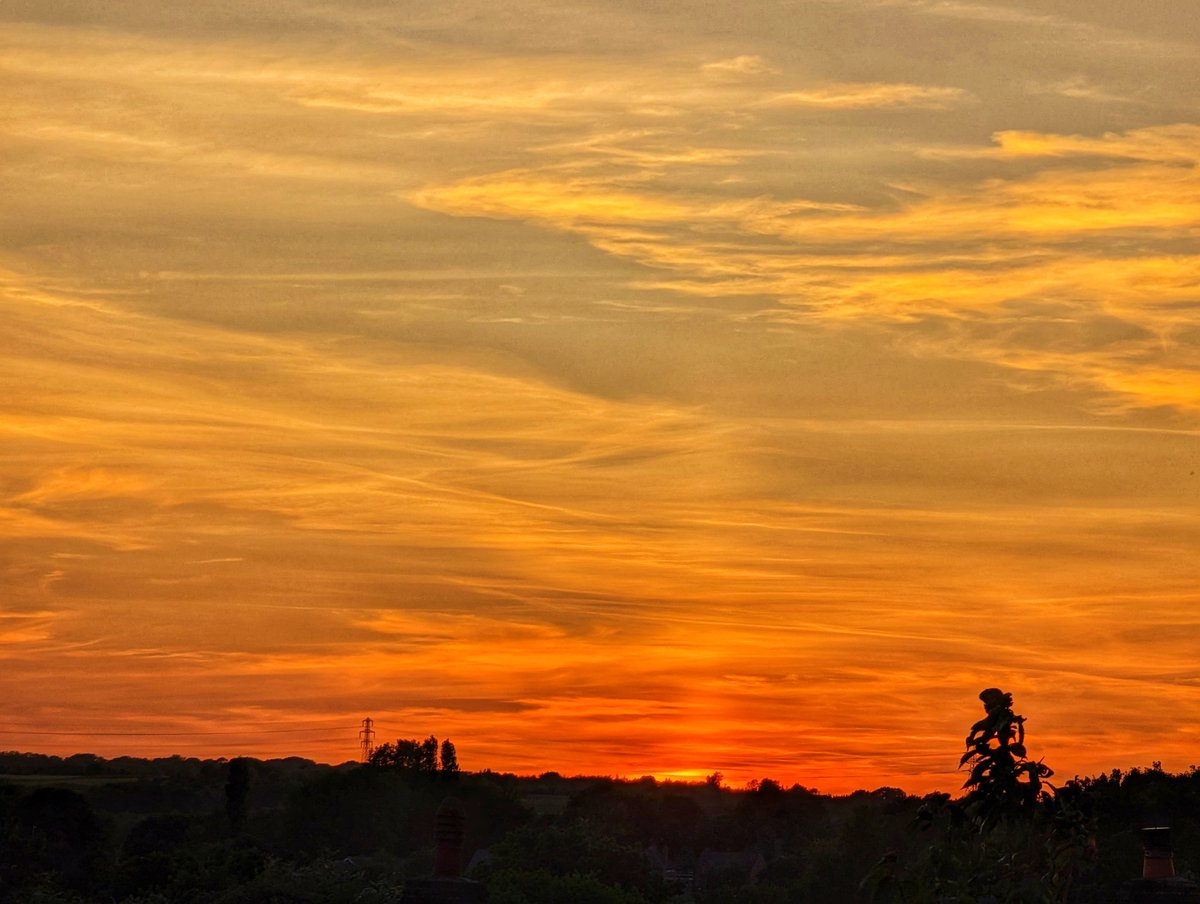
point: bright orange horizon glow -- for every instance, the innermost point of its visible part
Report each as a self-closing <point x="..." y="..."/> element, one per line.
<point x="613" y="389"/>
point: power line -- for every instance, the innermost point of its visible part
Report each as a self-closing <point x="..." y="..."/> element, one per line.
<point x="327" y="732"/>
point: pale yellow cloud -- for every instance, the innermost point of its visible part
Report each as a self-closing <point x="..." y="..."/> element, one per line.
<point x="1176" y="143"/>
<point x="1080" y="87"/>
<point x="870" y="95"/>
<point x="75" y="483"/>
<point x="741" y="66"/>
<point x="1002" y="241"/>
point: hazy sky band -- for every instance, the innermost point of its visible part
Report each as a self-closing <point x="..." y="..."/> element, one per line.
<point x="612" y="387"/>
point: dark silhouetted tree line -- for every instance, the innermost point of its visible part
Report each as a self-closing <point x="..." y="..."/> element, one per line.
<point x="418" y="757"/>
<point x="84" y="830"/>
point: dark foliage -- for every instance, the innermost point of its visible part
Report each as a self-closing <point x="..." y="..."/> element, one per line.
<point x="237" y="792"/>
<point x="448" y="759"/>
<point x="1011" y="838"/>
<point x="1003" y="781"/>
<point x="351" y="813"/>
<point x="56" y="834"/>
<point x="537" y="861"/>
<point x="161" y="832"/>
<point x="418" y="757"/>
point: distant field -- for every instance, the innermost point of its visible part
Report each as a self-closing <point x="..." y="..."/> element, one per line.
<point x="62" y="780"/>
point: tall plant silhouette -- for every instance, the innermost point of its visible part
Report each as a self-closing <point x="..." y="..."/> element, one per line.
<point x="1003" y="781"/>
<point x="1012" y="837"/>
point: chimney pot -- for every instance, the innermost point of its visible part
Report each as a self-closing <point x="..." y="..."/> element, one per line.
<point x="1158" y="861"/>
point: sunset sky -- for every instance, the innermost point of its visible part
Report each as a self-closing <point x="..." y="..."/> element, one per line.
<point x="613" y="386"/>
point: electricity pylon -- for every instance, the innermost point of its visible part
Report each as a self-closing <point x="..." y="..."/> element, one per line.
<point x="366" y="738"/>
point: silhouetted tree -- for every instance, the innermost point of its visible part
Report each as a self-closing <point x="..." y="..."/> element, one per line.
<point x="237" y="792"/>
<point x="58" y="833"/>
<point x="418" y="757"/>
<point x="427" y="755"/>
<point x="406" y="754"/>
<point x="383" y="755"/>
<point x="448" y="760"/>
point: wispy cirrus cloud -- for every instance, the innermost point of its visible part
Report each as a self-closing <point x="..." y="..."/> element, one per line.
<point x="597" y="369"/>
<point x="1004" y="239"/>
<point x="741" y="66"/>
<point x="870" y="95"/>
<point x="1166" y="144"/>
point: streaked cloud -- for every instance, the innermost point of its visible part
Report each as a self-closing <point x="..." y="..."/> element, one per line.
<point x="743" y="65"/>
<point x="854" y="97"/>
<point x="1168" y="144"/>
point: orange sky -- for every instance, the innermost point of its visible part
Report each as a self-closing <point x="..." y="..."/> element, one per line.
<point x="612" y="387"/>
